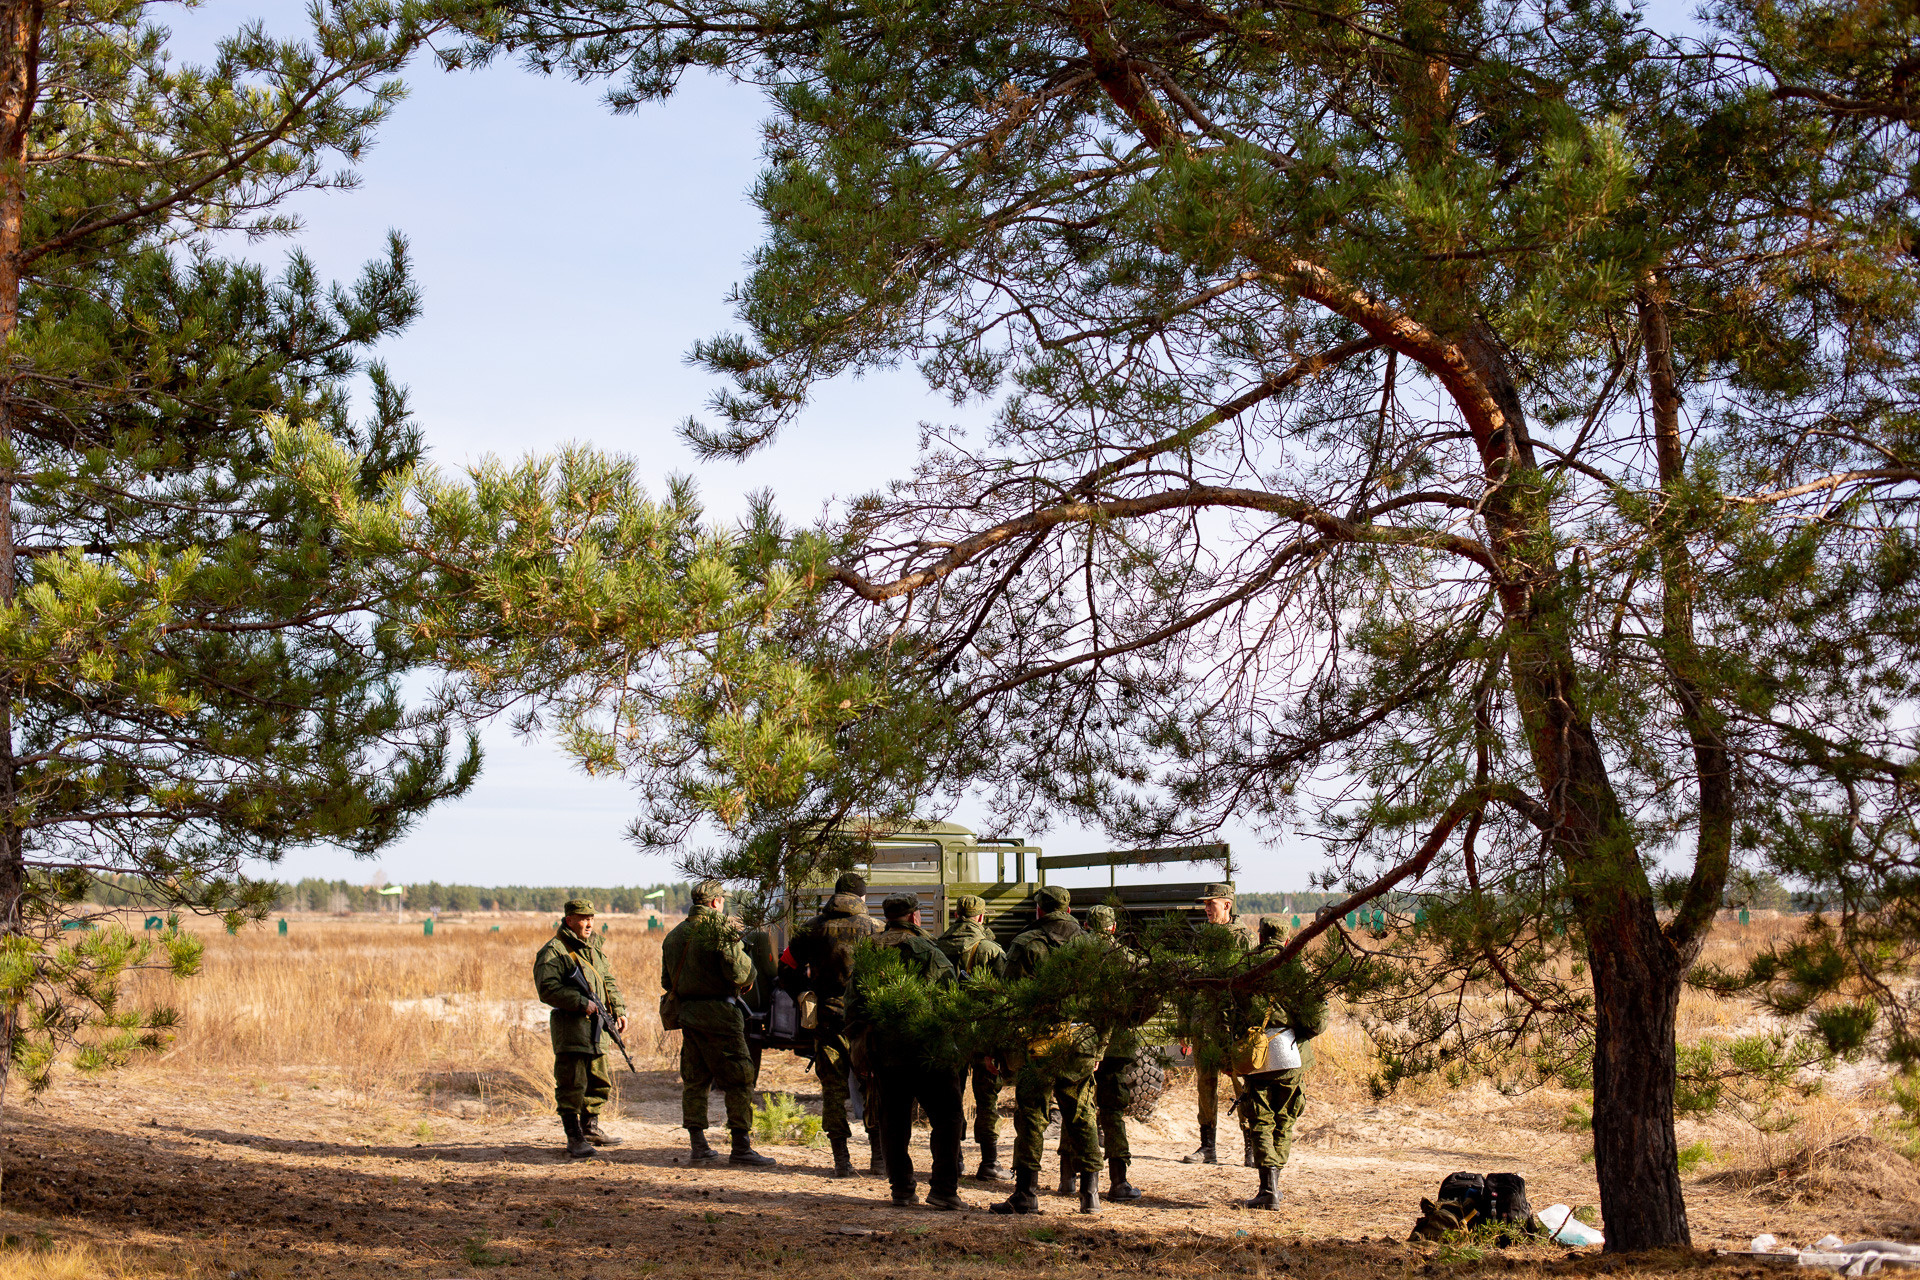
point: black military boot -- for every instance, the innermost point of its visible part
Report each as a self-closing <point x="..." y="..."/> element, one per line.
<point x="743" y="1152"/>
<point x="1269" y="1194"/>
<point x="1089" y="1193"/>
<point x="1069" y="1181"/>
<point x="590" y="1125"/>
<point x="702" y="1153"/>
<point x="1025" y="1197"/>
<point x="876" y="1157"/>
<point x="1246" y="1151"/>
<point x="1118" y="1188"/>
<point x="577" y="1144"/>
<point x="1204" y="1153"/>
<point x="990" y="1170"/>
<point x="842" y="1158"/>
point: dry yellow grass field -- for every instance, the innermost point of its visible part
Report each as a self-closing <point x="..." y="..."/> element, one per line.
<point x="356" y="1098"/>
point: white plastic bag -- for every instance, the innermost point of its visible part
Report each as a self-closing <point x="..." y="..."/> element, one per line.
<point x="1560" y="1223"/>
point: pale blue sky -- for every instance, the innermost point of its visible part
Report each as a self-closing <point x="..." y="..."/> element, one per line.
<point x="568" y="258"/>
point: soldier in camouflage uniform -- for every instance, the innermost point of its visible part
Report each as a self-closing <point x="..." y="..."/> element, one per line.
<point x="582" y="1079"/>
<point x="911" y="1078"/>
<point x="823" y="952"/>
<point x="970" y="945"/>
<point x="1063" y="1075"/>
<point x="703" y="965"/>
<point x="1210" y="1044"/>
<point x="1112" y="1088"/>
<point x="1273" y="1100"/>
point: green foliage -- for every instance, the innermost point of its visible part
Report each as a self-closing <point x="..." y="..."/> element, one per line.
<point x="191" y="668"/>
<point x="1755" y="1078"/>
<point x="477" y="1253"/>
<point x="781" y="1119"/>
<point x="1695" y="1154"/>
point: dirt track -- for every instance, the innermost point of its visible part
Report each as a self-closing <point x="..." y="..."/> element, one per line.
<point x="280" y="1177"/>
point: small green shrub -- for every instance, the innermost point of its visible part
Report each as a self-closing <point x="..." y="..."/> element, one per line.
<point x="781" y="1119"/>
<point x="1692" y="1157"/>
<point x="479" y="1255"/>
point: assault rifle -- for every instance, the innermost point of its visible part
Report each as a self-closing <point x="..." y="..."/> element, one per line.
<point x="601" y="1022"/>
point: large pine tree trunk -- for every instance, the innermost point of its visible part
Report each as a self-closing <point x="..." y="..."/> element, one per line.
<point x="1636" y="989"/>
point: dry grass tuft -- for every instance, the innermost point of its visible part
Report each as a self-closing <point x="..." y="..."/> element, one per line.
<point x="1847" y="1170"/>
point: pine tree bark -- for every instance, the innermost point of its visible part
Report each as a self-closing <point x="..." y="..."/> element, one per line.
<point x="20" y="32"/>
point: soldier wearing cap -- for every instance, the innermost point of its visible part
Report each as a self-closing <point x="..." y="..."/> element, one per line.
<point x="704" y="968"/>
<point x="970" y="945"/>
<point x="1112" y="1086"/>
<point x="1061" y="1072"/>
<point x="1272" y="1101"/>
<point x="582" y="1078"/>
<point x="823" y="953"/>
<point x="910" y="1076"/>
<point x="1210" y="1043"/>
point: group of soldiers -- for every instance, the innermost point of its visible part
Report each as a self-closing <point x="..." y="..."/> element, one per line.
<point x="707" y="965"/>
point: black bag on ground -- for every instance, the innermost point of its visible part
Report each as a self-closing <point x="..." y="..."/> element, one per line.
<point x="1507" y="1199"/>
<point x="1466" y="1195"/>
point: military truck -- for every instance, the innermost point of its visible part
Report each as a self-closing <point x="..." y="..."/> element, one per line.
<point x="941" y="861"/>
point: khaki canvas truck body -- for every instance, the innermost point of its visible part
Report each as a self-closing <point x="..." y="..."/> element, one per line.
<point x="941" y="861"/>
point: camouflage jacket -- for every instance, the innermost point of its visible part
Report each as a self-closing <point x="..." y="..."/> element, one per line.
<point x="824" y="949"/>
<point x="703" y="964"/>
<point x="568" y="1025"/>
<point x="973" y="950"/>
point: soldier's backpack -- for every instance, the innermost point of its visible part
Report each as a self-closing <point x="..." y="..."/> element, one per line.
<point x="1467" y="1200"/>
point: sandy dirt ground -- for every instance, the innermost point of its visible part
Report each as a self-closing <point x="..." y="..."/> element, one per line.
<point x="284" y="1175"/>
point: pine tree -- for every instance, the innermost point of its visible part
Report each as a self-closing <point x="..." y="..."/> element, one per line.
<point x="1482" y="432"/>
<point x="191" y="671"/>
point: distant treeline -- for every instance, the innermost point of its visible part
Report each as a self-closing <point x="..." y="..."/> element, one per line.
<point x="340" y="896"/>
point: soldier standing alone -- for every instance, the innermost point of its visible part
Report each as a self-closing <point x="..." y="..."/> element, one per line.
<point x="704" y="967"/>
<point x="823" y="950"/>
<point x="582" y="1080"/>
<point x="970" y="945"/>
<point x="1064" y="1075"/>
<point x="911" y="1078"/>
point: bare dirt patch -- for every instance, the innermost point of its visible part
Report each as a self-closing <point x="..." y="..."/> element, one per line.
<point x="291" y="1176"/>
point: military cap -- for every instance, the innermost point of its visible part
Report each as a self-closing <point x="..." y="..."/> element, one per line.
<point x="577" y="907"/>
<point x="970" y="905"/>
<point x="1100" y="917"/>
<point x="1053" y="897"/>
<point x="1272" y="927"/>
<point x="851" y="882"/>
<point x="708" y="890"/>
<point x="900" y="905"/>
<point x="1216" y="891"/>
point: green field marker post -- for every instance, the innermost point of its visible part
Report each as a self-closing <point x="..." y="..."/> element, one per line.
<point x="429" y="927"/>
<point x="283" y="927"/>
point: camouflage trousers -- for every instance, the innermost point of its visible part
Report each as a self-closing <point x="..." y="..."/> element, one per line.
<point x="710" y="1059"/>
<point x="1207" y="1083"/>
<point x="832" y="1062"/>
<point x="1271" y="1107"/>
<point x="1112" y="1095"/>
<point x="986" y="1100"/>
<point x="1033" y="1088"/>
<point x="581" y="1082"/>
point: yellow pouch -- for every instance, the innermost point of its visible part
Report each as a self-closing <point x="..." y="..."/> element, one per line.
<point x="1065" y="1038"/>
<point x="808" y="1006"/>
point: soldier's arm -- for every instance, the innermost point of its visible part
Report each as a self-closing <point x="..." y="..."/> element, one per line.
<point x="735" y="961"/>
<point x="993" y="958"/>
<point x="550" y="970"/>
